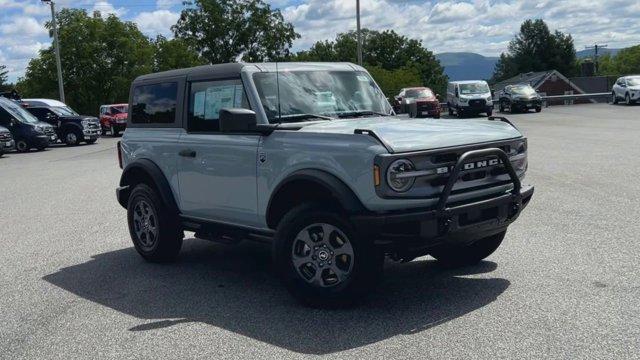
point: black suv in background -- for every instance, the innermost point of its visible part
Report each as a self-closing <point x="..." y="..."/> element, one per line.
<point x="6" y="140"/>
<point x="27" y="131"/>
<point x="520" y="97"/>
<point x="71" y="128"/>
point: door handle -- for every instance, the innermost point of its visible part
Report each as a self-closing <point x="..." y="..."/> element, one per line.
<point x="187" y="153"/>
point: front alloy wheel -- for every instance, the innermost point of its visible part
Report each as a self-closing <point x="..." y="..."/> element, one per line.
<point x="71" y="138"/>
<point x="321" y="258"/>
<point x="145" y="224"/>
<point x="322" y="255"/>
<point x="22" y="146"/>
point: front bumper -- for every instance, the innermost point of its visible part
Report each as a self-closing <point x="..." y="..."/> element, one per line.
<point x="42" y="141"/>
<point x="91" y="133"/>
<point x="527" y="104"/>
<point x="414" y="231"/>
<point x="7" y="145"/>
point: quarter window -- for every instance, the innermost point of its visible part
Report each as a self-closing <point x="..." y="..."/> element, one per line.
<point x="208" y="97"/>
<point x="155" y="104"/>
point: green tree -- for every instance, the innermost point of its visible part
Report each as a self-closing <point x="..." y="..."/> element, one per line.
<point x="223" y="30"/>
<point x="392" y="81"/>
<point x="174" y="54"/>
<point x="3" y="75"/>
<point x="536" y="48"/>
<point x="626" y="62"/>
<point x="100" y="58"/>
<point x="386" y="50"/>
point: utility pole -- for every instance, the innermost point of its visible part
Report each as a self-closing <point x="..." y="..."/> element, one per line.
<point x="358" y="33"/>
<point x="595" y="52"/>
<point x="56" y="45"/>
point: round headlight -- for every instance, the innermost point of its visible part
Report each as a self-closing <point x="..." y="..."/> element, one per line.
<point x="400" y="184"/>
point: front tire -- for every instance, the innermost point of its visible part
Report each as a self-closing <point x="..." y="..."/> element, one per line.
<point x="538" y="109"/>
<point x="72" y="137"/>
<point x="614" y="98"/>
<point x="22" y="146"/>
<point x="321" y="258"/>
<point x="627" y="100"/>
<point x="154" y="230"/>
<point x="91" y="141"/>
<point x="453" y="255"/>
<point x="450" y="109"/>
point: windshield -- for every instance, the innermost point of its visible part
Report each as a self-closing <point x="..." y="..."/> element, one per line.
<point x="114" y="110"/>
<point x="328" y="93"/>
<point x="634" y="81"/>
<point x="419" y="93"/>
<point x="63" y="111"/>
<point x="17" y="111"/>
<point x="522" y="90"/>
<point x="474" y="88"/>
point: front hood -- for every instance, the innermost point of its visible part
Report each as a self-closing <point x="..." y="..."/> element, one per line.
<point x="404" y="134"/>
<point x="634" y="88"/>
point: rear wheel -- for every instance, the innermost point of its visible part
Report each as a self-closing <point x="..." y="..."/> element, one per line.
<point x="459" y="112"/>
<point x="453" y="255"/>
<point x="538" y="109"/>
<point x="321" y="258"/>
<point x="155" y="232"/>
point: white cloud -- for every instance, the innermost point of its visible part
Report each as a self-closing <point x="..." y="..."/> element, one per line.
<point x="24" y="26"/>
<point x="106" y="8"/>
<point x="158" y="22"/>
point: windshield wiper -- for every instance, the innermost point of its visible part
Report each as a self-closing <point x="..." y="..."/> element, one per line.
<point x="300" y="117"/>
<point x="360" y="113"/>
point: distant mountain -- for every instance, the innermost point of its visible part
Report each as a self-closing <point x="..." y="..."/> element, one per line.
<point x="588" y="53"/>
<point x="467" y="66"/>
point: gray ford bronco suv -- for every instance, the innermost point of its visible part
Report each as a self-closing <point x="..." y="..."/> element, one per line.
<point x="312" y="158"/>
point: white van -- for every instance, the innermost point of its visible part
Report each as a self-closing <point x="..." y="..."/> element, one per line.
<point x="471" y="97"/>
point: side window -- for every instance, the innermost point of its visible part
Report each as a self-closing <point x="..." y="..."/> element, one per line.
<point x="155" y="104"/>
<point x="208" y="97"/>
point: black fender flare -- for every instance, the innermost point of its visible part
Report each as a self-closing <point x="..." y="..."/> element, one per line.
<point x="338" y="189"/>
<point x="145" y="170"/>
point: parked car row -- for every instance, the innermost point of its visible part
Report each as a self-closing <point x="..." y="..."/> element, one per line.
<point x="27" y="124"/>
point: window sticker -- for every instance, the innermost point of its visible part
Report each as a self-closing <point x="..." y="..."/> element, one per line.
<point x="216" y="98"/>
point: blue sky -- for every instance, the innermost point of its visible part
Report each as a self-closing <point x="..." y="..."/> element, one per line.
<point x="482" y="26"/>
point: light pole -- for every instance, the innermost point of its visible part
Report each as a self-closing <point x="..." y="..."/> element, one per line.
<point x="56" y="46"/>
<point x="358" y="32"/>
<point x="595" y="48"/>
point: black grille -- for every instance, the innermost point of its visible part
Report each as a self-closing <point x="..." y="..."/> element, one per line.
<point x="49" y="131"/>
<point x="478" y="103"/>
<point x="5" y="136"/>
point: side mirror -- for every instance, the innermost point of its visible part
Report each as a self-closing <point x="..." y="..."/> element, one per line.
<point x="237" y="120"/>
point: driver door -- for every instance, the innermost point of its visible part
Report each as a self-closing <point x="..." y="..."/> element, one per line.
<point x="217" y="171"/>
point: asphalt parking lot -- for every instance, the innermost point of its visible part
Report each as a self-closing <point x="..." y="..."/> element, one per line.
<point x="565" y="284"/>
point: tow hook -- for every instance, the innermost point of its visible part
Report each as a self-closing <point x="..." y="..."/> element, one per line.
<point x="445" y="224"/>
<point x="515" y="209"/>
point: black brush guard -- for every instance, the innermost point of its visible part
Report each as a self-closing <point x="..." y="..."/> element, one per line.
<point x="462" y="221"/>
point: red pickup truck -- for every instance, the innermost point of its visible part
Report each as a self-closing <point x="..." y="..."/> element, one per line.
<point x="418" y="102"/>
<point x="113" y="118"/>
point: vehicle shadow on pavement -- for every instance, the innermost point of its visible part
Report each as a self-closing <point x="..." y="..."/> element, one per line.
<point x="233" y="288"/>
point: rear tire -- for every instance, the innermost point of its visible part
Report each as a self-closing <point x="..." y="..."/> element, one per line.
<point x="322" y="260"/>
<point x="538" y="109"/>
<point x="459" y="113"/>
<point x="463" y="255"/>
<point x="154" y="230"/>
